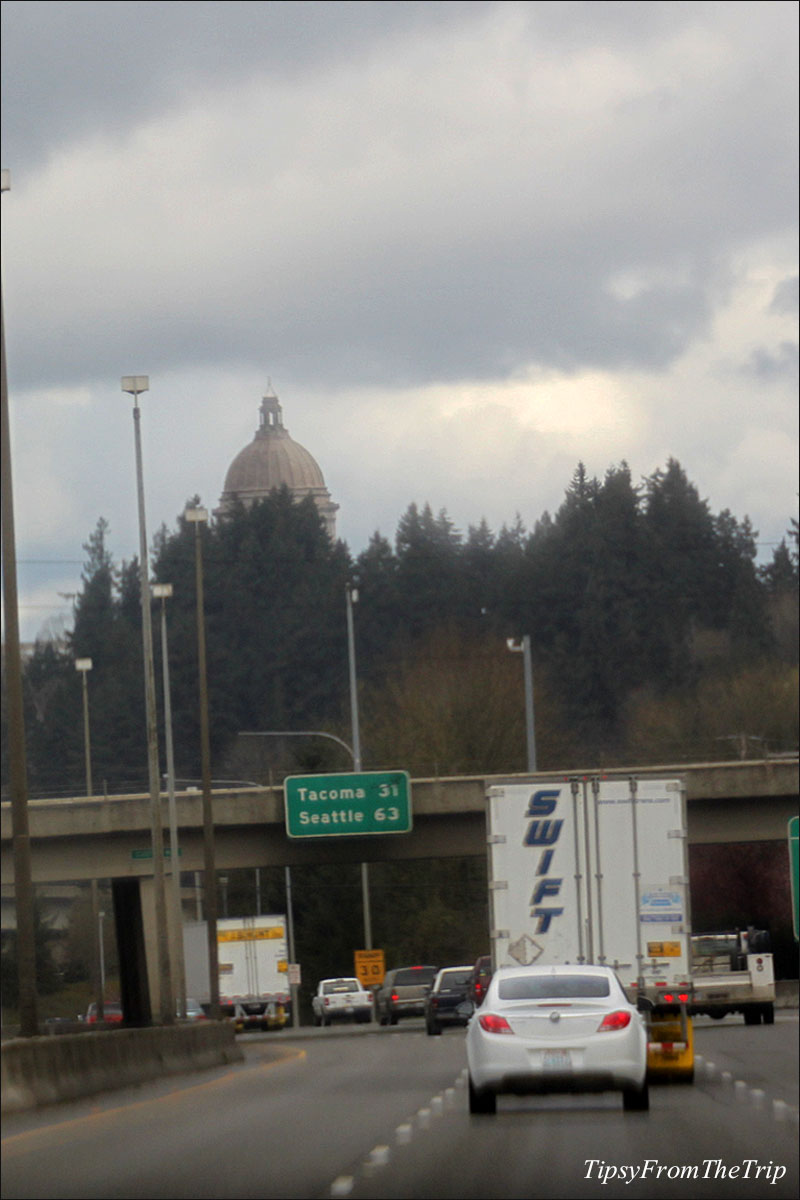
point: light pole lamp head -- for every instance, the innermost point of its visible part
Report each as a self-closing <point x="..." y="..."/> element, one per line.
<point x="134" y="384"/>
<point x="83" y="664"/>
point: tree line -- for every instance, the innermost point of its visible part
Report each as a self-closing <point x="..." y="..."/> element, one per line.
<point x="653" y="632"/>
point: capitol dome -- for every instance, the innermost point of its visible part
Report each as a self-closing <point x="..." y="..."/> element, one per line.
<point x="273" y="459"/>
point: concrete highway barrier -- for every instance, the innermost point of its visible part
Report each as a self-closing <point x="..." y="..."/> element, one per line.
<point x="45" y="1070"/>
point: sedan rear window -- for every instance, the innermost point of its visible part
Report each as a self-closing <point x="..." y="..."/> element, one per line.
<point x="552" y="987"/>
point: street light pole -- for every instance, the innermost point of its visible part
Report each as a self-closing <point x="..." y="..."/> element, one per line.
<point x="84" y="665"/>
<point x="134" y="385"/>
<point x="351" y="595"/>
<point x="199" y="516"/>
<point x="100" y="918"/>
<point x="293" y="988"/>
<point x="524" y="645"/>
<point x="162" y="592"/>
<point x="17" y="763"/>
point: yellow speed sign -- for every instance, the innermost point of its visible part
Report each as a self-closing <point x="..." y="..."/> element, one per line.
<point x="370" y="967"/>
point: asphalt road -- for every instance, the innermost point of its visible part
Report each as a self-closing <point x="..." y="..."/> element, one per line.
<point x="384" y="1114"/>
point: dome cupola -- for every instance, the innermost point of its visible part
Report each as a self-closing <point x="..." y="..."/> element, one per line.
<point x="274" y="459"/>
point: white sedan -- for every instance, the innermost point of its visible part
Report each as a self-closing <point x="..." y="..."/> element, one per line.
<point x="556" y="1029"/>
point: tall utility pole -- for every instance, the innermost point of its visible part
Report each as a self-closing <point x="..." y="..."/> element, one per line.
<point x="524" y="645"/>
<point x="134" y="385"/>
<point x="17" y="761"/>
<point x="84" y="665"/>
<point x="200" y="516"/>
<point x="529" y="725"/>
<point x="351" y="595"/>
<point x="162" y="592"/>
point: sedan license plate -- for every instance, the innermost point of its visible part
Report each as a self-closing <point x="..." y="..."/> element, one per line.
<point x="557" y="1060"/>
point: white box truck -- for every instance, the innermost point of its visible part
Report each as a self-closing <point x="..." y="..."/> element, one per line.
<point x="594" y="869"/>
<point x="253" y="985"/>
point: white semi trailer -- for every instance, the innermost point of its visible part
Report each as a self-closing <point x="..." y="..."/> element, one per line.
<point x="253" y="963"/>
<point x="594" y="869"/>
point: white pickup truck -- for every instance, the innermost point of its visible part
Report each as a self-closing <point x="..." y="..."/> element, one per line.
<point x="341" y="1000"/>
<point x="733" y="972"/>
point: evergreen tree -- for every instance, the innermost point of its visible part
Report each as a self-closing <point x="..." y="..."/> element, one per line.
<point x="782" y="574"/>
<point x="428" y="568"/>
<point x="116" y="707"/>
<point x="274" y="589"/>
<point x="380" y="617"/>
<point x="679" y="530"/>
<point x="781" y="580"/>
<point x="95" y="609"/>
<point x="739" y="596"/>
<point x="482" y="583"/>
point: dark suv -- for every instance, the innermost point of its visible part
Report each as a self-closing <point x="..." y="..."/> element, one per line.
<point x="403" y="992"/>
<point x="444" y="1003"/>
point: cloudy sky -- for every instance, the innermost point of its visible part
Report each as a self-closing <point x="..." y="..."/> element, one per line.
<point x="470" y="244"/>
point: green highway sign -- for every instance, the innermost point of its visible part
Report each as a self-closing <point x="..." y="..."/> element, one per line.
<point x="148" y="852"/>
<point x="348" y="804"/>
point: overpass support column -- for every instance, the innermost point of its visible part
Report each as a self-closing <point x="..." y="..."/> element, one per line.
<point x="150" y="938"/>
<point x="133" y="960"/>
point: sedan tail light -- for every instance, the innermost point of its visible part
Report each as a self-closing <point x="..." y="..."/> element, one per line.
<point x="494" y="1024"/>
<point x="614" y="1020"/>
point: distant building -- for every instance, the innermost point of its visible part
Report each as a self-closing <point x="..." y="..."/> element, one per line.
<point x="273" y="459"/>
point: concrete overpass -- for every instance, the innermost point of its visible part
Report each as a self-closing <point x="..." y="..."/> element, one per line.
<point x="109" y="837"/>
<point x="84" y="838"/>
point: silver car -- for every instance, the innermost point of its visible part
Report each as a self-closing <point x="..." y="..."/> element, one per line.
<point x="556" y="1029"/>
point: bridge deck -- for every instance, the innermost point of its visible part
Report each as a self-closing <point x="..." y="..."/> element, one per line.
<point x="88" y="837"/>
